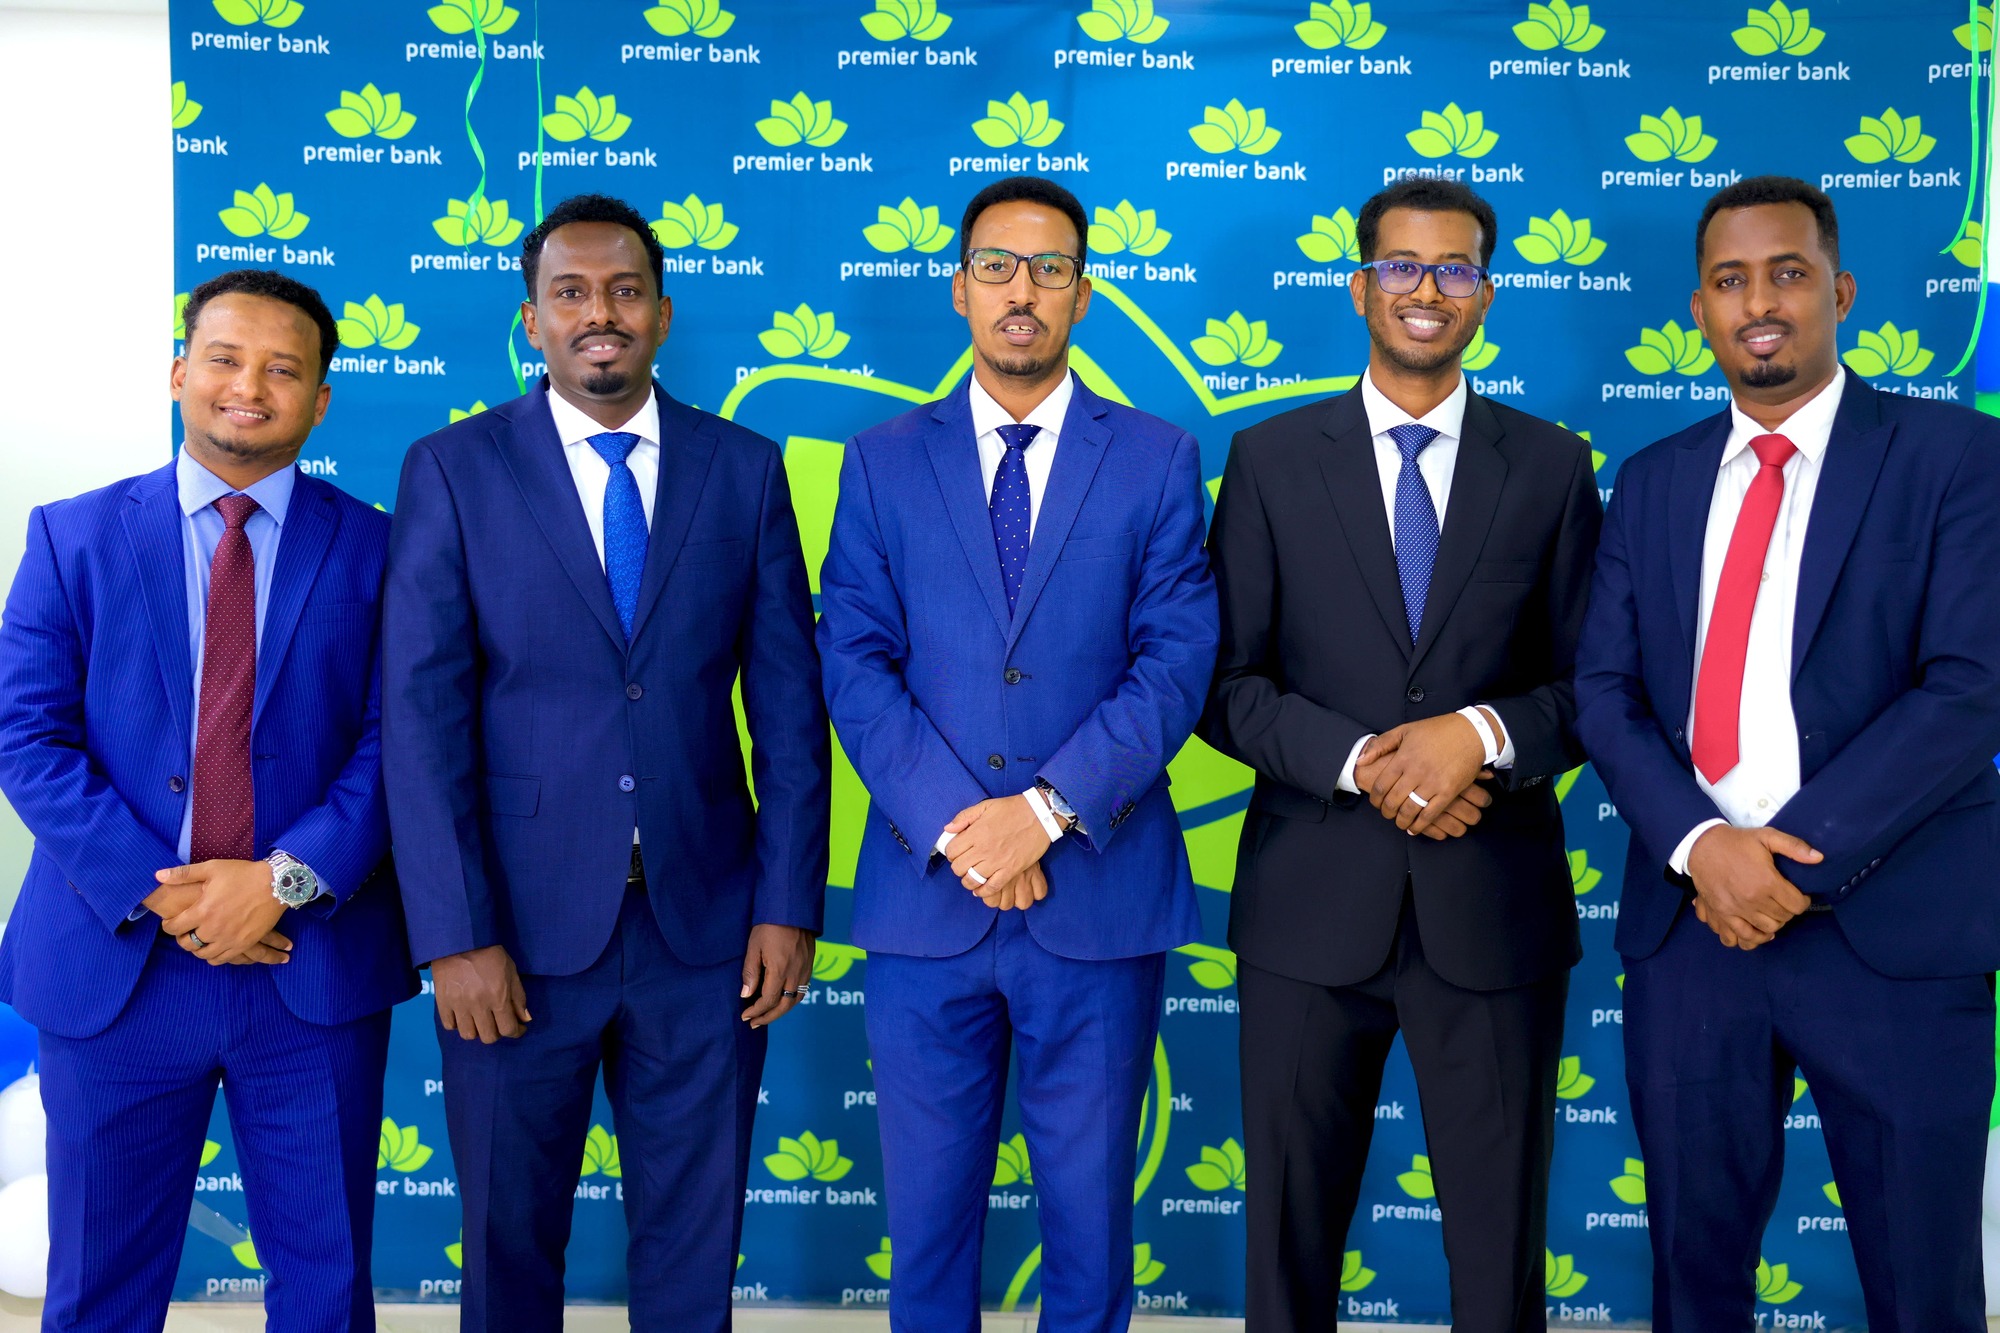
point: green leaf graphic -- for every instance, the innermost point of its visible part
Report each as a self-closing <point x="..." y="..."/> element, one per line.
<point x="692" y="222"/>
<point x="1571" y="1081"/>
<point x="1145" y="1268"/>
<point x="1885" y="351"/>
<point x="399" y="1149"/>
<point x="486" y="222"/>
<point x="1331" y="239"/>
<point x="461" y="413"/>
<point x="1558" y="23"/>
<point x="370" y="111"/>
<point x="1219" y="1168"/>
<point x="1568" y="780"/>
<point x="246" y="1254"/>
<point x="455" y="16"/>
<point x="1011" y="1165"/>
<point x="586" y="114"/>
<point x="806" y="1156"/>
<point x="1832" y="1192"/>
<point x="1213" y="968"/>
<point x="186" y="111"/>
<point x="879" y="1262"/>
<point x="1969" y="247"/>
<point x="908" y="226"/>
<point x="1416" y="1181"/>
<point x="600" y="1153"/>
<point x="456" y="1251"/>
<point x="1583" y="877"/>
<point x="1339" y="23"/>
<point x="1779" y="29"/>
<point x="1560" y="1277"/>
<point x="180" y="316"/>
<point x="1774" y="1284"/>
<point x="260" y="212"/>
<point x="1108" y="20"/>
<point x="802" y="120"/>
<point x="906" y="18"/>
<point x="1559" y="237"/>
<point x="831" y="961"/>
<point x="1127" y="228"/>
<point x="1017" y="120"/>
<point x="270" y="13"/>
<point x="1670" y="348"/>
<point x="1353" y="1277"/>
<point x="1452" y="131"/>
<point x="371" y="323"/>
<point x="210" y="1150"/>
<point x="1890" y="135"/>
<point x="1233" y="126"/>
<point x="1977" y="35"/>
<point x="1670" y="134"/>
<point x="1631" y="1187"/>
<point x="1479" y="353"/>
<point x="678" y="18"/>
<point x="1236" y="339"/>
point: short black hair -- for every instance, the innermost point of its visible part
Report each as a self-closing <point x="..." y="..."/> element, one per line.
<point x="1772" y="190"/>
<point x="1034" y="189"/>
<point x="593" y="208"/>
<point x="1428" y="194"/>
<point x="277" y="286"/>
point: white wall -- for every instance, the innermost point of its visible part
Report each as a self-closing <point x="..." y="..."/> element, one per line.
<point x="88" y="235"/>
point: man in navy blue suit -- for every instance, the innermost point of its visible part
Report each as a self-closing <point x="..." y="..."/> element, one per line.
<point x="1790" y="682"/>
<point x="1018" y="625"/>
<point x="189" y="707"/>
<point x="577" y="580"/>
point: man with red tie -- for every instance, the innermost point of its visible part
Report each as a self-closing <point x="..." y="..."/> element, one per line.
<point x="1790" y="682"/>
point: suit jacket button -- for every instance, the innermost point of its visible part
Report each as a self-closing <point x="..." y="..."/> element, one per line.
<point x="625" y="782"/>
<point x="1013" y="676"/>
<point x="634" y="690"/>
<point x="176" y="784"/>
<point x="1415" y="694"/>
<point x="995" y="761"/>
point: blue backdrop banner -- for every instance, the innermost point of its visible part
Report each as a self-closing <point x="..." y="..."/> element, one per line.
<point x="807" y="162"/>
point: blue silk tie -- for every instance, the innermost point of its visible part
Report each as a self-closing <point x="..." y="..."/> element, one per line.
<point x="1010" y="508"/>
<point x="624" y="526"/>
<point x="1416" y="523"/>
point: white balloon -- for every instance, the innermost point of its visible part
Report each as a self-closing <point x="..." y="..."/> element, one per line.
<point x="24" y="1130"/>
<point x="24" y="1238"/>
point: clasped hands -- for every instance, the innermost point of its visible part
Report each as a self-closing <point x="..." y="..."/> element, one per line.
<point x="996" y="851"/>
<point x="1438" y="759"/>
<point x="225" y="905"/>
<point x="1739" y="892"/>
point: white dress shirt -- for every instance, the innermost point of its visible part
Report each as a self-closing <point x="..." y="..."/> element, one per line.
<point x="592" y="474"/>
<point x="1040" y="455"/>
<point x="1435" y="464"/>
<point x="1767" y="775"/>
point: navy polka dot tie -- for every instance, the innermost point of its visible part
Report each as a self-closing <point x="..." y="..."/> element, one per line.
<point x="1010" y="509"/>
<point x="225" y="808"/>
<point x="1416" y="523"/>
<point x="624" y="525"/>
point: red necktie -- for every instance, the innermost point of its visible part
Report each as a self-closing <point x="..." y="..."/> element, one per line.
<point x="1718" y="698"/>
<point x="225" y="812"/>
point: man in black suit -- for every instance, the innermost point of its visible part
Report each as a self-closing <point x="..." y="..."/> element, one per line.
<point x="1402" y="574"/>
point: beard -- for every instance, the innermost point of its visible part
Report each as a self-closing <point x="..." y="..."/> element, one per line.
<point x="606" y="382"/>
<point x="1421" y="360"/>
<point x="1769" y="374"/>
<point x="242" y="451"/>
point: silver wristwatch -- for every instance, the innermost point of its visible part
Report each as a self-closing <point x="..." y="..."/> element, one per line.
<point x="292" y="880"/>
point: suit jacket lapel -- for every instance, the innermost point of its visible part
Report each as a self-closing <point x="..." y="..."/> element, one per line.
<point x="310" y="524"/>
<point x="1354" y="485"/>
<point x="955" y="459"/>
<point x="1854" y="455"/>
<point x="153" y="527"/>
<point x="1689" y="494"/>
<point x="687" y="445"/>
<point x="534" y="454"/>
<point x="1476" y="480"/>
<point x="1079" y="450"/>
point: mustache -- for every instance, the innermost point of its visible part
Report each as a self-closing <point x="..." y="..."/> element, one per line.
<point x="599" y="335"/>
<point x="1017" y="317"/>
<point x="1761" y="325"/>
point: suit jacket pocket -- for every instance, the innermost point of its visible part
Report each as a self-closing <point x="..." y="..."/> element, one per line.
<point x="507" y="794"/>
<point x="1274" y="798"/>
<point x="708" y="553"/>
<point x="1505" y="571"/>
<point x="1099" y="548"/>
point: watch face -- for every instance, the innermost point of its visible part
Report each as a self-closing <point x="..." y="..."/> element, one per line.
<point x="295" y="886"/>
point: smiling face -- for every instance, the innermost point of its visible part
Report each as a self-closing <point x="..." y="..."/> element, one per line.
<point x="597" y="317"/>
<point x="1771" y="301"/>
<point x="249" y="385"/>
<point x="1021" y="331"/>
<point x="1423" y="332"/>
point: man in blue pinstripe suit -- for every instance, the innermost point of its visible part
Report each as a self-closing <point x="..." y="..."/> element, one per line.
<point x="189" y="702"/>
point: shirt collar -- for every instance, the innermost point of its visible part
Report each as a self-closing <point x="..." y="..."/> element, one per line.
<point x="1447" y="418"/>
<point x="200" y="488"/>
<point x="1809" y="427"/>
<point x="574" y="427"/>
<point x="988" y="416"/>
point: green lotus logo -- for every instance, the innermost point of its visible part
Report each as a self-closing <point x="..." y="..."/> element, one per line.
<point x="678" y="18"/>
<point x="186" y="110"/>
<point x="1978" y="34"/>
<point x="370" y="111"/>
<point x="1146" y="1270"/>
<point x="490" y="18"/>
<point x="1798" y="1087"/>
<point x="1669" y="347"/>
<point x="1235" y="339"/>
<point x="1213" y="968"/>
<point x="600" y="1154"/>
<point x="1416" y="1181"/>
<point x="906" y="18"/>
<point x="1452" y="131"/>
<point x="1568" y="780"/>
<point x="586" y="114"/>
<point x="259" y="212"/>
<point x="1353" y="1277"/>
<point x="906" y="227"/>
<point x="210" y="1150"/>
<point x="456" y="1251"/>
<point x="373" y="324"/>
<point x="1670" y="134"/>
<point x="1583" y="877"/>
<point x="1560" y="1277"/>
<point x="270" y="13"/>
<point x="1558" y="23"/>
<point x="1890" y="135"/>
<point x="1226" y="127"/>
<point x="1559" y="237"/>
<point x="879" y="1262"/>
<point x="459" y="414"/>
<point x="1339" y="23"/>
<point x="801" y="120"/>
<point x="831" y="961"/>
<point x="803" y="332"/>
<point x="1017" y="120"/>
<point x="807" y="1156"/>
<point x="1571" y="1081"/>
<point x="1832" y="1192"/>
<point x="692" y="222"/>
<point x="1127" y="228"/>
<point x="1011" y="1165"/>
<point x="1779" y="29"/>
<point x="1887" y="351"/>
<point x="245" y="1250"/>
<point x="1219" y="1168"/>
<point x="1774" y="1283"/>
<point x="399" y="1149"/>
<point x="1479" y="353"/>
<point x="476" y="221"/>
<point x="1108" y="20"/>
<point x="180" y="315"/>
<point x="1331" y="239"/>
<point x="1631" y="1187"/>
<point x="1971" y="247"/>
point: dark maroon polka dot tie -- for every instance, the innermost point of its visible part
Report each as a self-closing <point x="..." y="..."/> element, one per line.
<point x="225" y="812"/>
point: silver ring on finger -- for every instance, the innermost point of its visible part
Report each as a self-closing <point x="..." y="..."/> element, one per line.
<point x="1421" y="803"/>
<point x="197" y="940"/>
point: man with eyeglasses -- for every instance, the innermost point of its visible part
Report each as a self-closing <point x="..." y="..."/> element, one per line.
<point x="1402" y="573"/>
<point x="1018" y="628"/>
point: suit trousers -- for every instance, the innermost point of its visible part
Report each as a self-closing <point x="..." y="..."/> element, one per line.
<point x="1485" y="1063"/>
<point x="128" y="1112"/>
<point x="1901" y="1072"/>
<point x="939" y="1030"/>
<point x="681" y="1070"/>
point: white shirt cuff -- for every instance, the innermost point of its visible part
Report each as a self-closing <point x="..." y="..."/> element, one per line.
<point x="1346" y="782"/>
<point x="1678" y="862"/>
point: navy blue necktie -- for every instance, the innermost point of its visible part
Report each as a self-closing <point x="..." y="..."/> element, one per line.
<point x="1010" y="508"/>
<point x="624" y="526"/>
<point x="1416" y="523"/>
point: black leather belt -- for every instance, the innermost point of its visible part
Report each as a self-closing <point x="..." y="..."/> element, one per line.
<point x="636" y="878"/>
